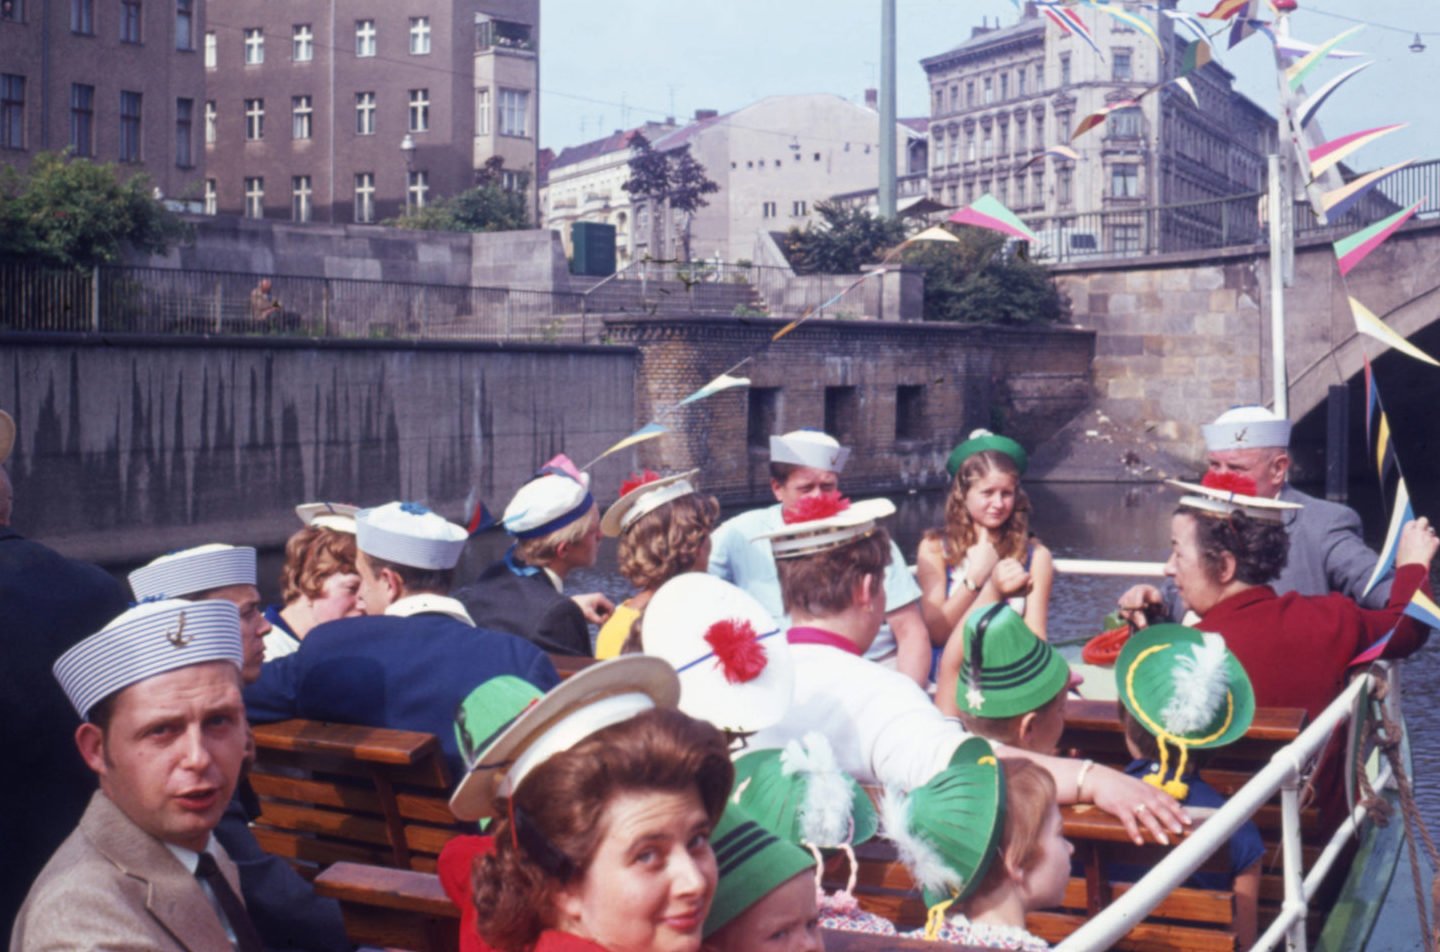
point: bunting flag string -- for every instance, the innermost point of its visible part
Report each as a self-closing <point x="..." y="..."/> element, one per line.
<point x="1292" y="48"/>
<point x="1069" y="21"/>
<point x="1371" y="326"/>
<point x="1378" y="441"/>
<point x="1353" y="249"/>
<point x="647" y="432"/>
<point x="1196" y="55"/>
<point x="1302" y="67"/>
<point x="1242" y="28"/>
<point x="1100" y="115"/>
<point x="1185" y="84"/>
<point x="1189" y="22"/>
<point x="1130" y="19"/>
<point x="1226" y="9"/>
<point x="1402" y="513"/>
<point x="1307" y="109"/>
<point x="719" y="384"/>
<point x="1328" y="154"/>
<point x="988" y="212"/>
<point x="1421" y="607"/>
<point x="1341" y="200"/>
<point x="1058" y="151"/>
<point x="829" y="301"/>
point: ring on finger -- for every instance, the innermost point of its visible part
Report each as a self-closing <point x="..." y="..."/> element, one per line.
<point x="1141" y="808"/>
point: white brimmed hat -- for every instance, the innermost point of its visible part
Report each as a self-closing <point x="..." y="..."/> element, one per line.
<point x="7" y="435"/>
<point x="640" y="500"/>
<point x="810" y="448"/>
<point x="1243" y="428"/>
<point x="546" y="504"/>
<point x="732" y="657"/>
<point x="511" y="745"/>
<point x="328" y="515"/>
<point x="807" y="536"/>
<point x="147" y="640"/>
<point x="408" y="533"/>
<point x="1223" y="496"/>
<point x="189" y="571"/>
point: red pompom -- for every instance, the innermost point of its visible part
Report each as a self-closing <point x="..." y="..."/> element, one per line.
<point x="1230" y="483"/>
<point x="738" y="649"/>
<point x="635" y="482"/>
<point x="810" y="508"/>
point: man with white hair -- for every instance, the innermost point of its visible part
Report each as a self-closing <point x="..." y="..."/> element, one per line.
<point x="1327" y="553"/>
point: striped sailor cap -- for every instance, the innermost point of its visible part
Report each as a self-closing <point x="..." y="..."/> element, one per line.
<point x="149" y="639"/>
<point x="409" y="534"/>
<point x="188" y="571"/>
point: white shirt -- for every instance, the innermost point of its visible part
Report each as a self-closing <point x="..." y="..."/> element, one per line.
<point x="191" y="861"/>
<point x="430" y="602"/>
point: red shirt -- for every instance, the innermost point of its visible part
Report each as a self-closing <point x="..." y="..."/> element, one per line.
<point x="456" y="861"/>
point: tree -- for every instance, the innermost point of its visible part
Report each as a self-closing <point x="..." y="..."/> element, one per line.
<point x="842" y="242"/>
<point x="675" y="179"/>
<point x="979" y="280"/>
<point x="74" y="213"/>
<point x="488" y="206"/>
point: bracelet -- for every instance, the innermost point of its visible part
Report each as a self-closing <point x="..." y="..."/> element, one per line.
<point x="1080" y="780"/>
<point x="969" y="585"/>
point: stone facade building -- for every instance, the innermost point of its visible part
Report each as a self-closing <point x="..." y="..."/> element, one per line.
<point x="353" y="110"/>
<point x="1001" y="98"/>
<point x="114" y="82"/>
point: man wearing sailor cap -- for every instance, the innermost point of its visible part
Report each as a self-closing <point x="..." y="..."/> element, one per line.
<point x="807" y="463"/>
<point x="410" y="663"/>
<point x="159" y="691"/>
<point x="1327" y="553"/>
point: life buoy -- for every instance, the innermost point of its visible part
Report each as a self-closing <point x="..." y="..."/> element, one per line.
<point x="1105" y="647"/>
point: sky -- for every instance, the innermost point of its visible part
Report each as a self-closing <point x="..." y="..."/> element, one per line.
<point x="615" y="64"/>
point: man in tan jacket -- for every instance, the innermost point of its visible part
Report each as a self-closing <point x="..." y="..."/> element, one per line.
<point x="165" y="732"/>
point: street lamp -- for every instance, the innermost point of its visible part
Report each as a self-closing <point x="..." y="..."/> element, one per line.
<point x="1418" y="46"/>
<point x="407" y="146"/>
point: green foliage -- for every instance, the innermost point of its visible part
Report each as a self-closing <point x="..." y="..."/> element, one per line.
<point x="676" y="178"/>
<point x="974" y="280"/>
<point x="842" y="242"/>
<point x="74" y="213"/>
<point x="745" y="310"/>
<point x="488" y="206"/>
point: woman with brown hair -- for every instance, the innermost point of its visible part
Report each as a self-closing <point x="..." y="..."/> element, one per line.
<point x="318" y="582"/>
<point x="664" y="527"/>
<point x="605" y="797"/>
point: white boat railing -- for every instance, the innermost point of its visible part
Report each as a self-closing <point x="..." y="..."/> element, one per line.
<point x="1109" y="567"/>
<point x="1282" y="774"/>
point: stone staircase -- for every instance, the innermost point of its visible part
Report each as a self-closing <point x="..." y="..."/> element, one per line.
<point x="631" y="298"/>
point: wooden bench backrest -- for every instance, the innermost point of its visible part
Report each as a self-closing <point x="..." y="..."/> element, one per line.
<point x="339" y="792"/>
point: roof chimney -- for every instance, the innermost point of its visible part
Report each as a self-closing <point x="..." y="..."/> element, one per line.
<point x="872" y="98"/>
<point x="702" y="114"/>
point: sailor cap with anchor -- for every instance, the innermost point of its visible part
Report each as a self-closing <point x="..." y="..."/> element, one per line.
<point x="190" y="571"/>
<point x="1247" y="427"/>
<point x="149" y="639"/>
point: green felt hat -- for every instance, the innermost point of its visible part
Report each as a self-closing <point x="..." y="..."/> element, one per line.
<point x="947" y="831"/>
<point x="1007" y="670"/>
<point x="752" y="861"/>
<point x="979" y="442"/>
<point x="1187" y="689"/>
<point x="801" y="796"/>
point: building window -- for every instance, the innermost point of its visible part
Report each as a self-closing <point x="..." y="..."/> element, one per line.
<point x="302" y="43"/>
<point x="1039" y="77"/>
<point x="212" y="197"/>
<point x="1064" y="70"/>
<point x="988" y="148"/>
<point x="364" y="37"/>
<point x="939" y="101"/>
<point x="970" y="146"/>
<point x="1062" y="186"/>
<point x="1125" y="239"/>
<point x="417" y="187"/>
<point x="1039" y="139"/>
<point x="212" y="49"/>
<point x="1019" y="136"/>
<point x="797" y="209"/>
<point x="1121" y="70"/>
<point x="910" y="412"/>
<point x="511" y="180"/>
<point x="1125" y="181"/>
<point x="1124" y="124"/>
<point x="482" y="112"/>
<point x="762" y="416"/>
<point x="419" y="35"/>
<point x="514" y="112"/>
<point x="255" y="197"/>
<point x="970" y="93"/>
<point x="212" y="118"/>
<point x="419" y="110"/>
<point x="503" y="34"/>
<point x="954" y="148"/>
<point x="1004" y="139"/>
<point x="254" y="119"/>
<point x="989" y="86"/>
<point x="364" y="197"/>
<point x="254" y="46"/>
<point x="12" y="111"/>
<point x="184" y="123"/>
<point x="1004" y="86"/>
<point x="82" y="119"/>
<point x="1037" y="181"/>
<point x="12" y="10"/>
<point x="768" y="210"/>
<point x="1002" y="189"/>
<point x="937" y="149"/>
<point x="184" y="24"/>
<point x="129" y="21"/>
<point x="841" y="413"/>
<point x="129" y="126"/>
<point x="300" y="190"/>
<point x="82" y="17"/>
<point x="301" y="114"/>
<point x="365" y="114"/>
<point x="1020" y="191"/>
<point x="954" y="97"/>
<point x="1020" y="81"/>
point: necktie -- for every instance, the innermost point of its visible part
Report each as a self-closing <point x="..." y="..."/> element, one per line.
<point x="246" y="938"/>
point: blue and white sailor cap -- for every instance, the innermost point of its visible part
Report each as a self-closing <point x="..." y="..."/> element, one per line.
<point x="189" y="571"/>
<point x="546" y="504"/>
<point x="810" y="448"/>
<point x="1247" y="427"/>
<point x="408" y="533"/>
<point x="149" y="639"/>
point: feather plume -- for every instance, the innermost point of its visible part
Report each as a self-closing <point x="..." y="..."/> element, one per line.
<point x="1230" y="483"/>
<point x="820" y="506"/>
<point x="637" y="480"/>
<point x="825" y="814"/>
<point x="925" y="864"/>
<point x="1201" y="683"/>
<point x="737" y="649"/>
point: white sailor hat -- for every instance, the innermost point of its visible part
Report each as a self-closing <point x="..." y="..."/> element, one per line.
<point x="408" y="533"/>
<point x="809" y="448"/>
<point x="824" y="522"/>
<point x="149" y="639"/>
<point x="7" y="435"/>
<point x="328" y="515"/>
<point x="1220" y="494"/>
<point x="642" y="495"/>
<point x="189" y="571"/>
<point x="545" y="504"/>
<point x="1243" y="428"/>
<point x="732" y="657"/>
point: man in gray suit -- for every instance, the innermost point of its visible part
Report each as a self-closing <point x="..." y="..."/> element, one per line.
<point x="1327" y="553"/>
<point x="165" y="731"/>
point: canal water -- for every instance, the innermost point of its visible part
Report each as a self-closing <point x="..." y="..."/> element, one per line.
<point x="1100" y="521"/>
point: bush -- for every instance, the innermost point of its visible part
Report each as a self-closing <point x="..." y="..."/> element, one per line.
<point x="842" y="242"/>
<point x="977" y="280"/>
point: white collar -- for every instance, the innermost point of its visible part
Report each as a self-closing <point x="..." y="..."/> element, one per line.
<point x="188" y="857"/>
<point x="555" y="580"/>
<point x="430" y="603"/>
